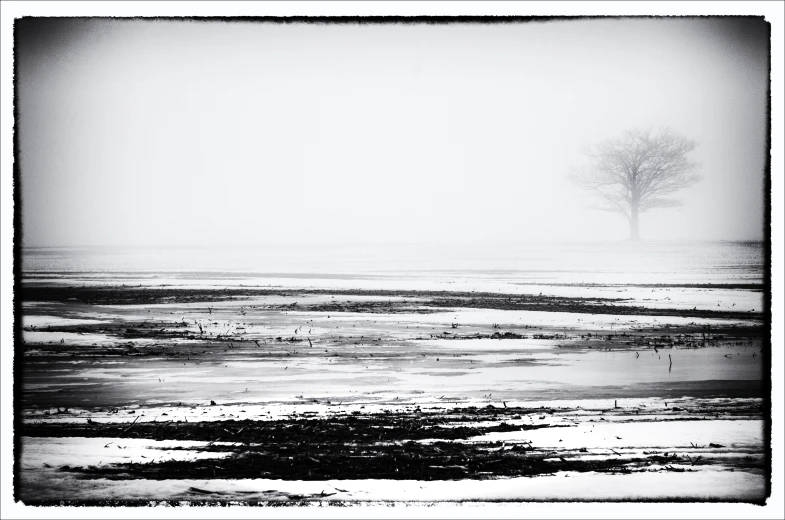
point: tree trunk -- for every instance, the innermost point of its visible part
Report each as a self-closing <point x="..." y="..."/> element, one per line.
<point x="635" y="235"/>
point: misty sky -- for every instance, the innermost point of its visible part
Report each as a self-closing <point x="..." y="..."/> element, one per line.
<point x="208" y="133"/>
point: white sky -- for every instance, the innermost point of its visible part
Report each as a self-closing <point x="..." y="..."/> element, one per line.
<point x="152" y="133"/>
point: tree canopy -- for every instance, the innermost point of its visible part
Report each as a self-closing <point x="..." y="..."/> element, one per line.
<point x="638" y="171"/>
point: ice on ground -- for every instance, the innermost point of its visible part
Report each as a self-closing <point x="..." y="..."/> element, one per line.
<point x="56" y="452"/>
<point x="39" y="321"/>
<point x="708" y="484"/>
<point x="671" y="434"/>
<point x="79" y="338"/>
<point x="536" y="319"/>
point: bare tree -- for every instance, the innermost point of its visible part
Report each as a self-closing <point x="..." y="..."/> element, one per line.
<point x="638" y="172"/>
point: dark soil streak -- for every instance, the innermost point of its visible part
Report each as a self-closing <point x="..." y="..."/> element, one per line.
<point x="427" y="300"/>
<point x="410" y="460"/>
<point x="339" y="429"/>
<point x="372" y="446"/>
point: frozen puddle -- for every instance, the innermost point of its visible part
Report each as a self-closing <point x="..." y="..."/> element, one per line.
<point x="489" y="345"/>
<point x="708" y="484"/>
<point x="56" y="452"/>
<point x="539" y="319"/>
<point x="78" y="338"/>
<point x="747" y="434"/>
<point x="39" y="321"/>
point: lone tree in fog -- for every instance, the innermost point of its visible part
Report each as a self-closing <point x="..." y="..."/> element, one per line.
<point x="638" y="171"/>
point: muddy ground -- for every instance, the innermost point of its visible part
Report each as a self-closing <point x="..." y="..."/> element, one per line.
<point x="312" y="385"/>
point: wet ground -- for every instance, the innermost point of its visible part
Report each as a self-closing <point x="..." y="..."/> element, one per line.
<point x="221" y="388"/>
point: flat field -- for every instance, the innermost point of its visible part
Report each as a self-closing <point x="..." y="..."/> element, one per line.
<point x="418" y="385"/>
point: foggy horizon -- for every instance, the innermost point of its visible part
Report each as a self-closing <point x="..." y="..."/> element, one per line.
<point x="152" y="133"/>
<point x="393" y="243"/>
